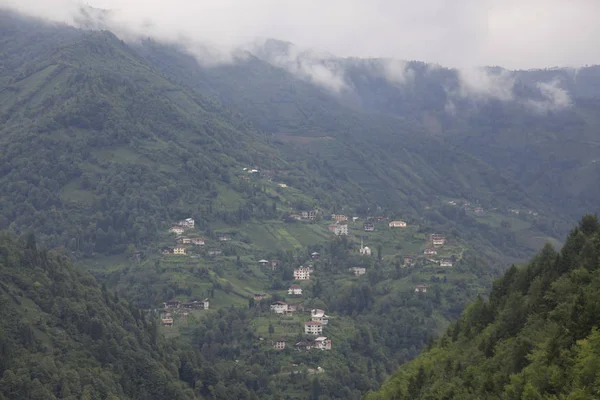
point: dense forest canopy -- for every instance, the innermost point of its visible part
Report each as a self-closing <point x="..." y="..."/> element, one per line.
<point x="536" y="337"/>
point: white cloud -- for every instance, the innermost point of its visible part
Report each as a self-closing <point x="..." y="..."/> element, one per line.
<point x="554" y="97"/>
<point x="397" y="71"/>
<point x="483" y="82"/>
<point x="458" y="33"/>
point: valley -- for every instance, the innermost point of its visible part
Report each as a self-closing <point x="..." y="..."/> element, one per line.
<point x="239" y="230"/>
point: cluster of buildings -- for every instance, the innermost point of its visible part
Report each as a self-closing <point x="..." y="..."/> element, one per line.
<point x="182" y="226"/>
<point x="319" y="343"/>
<point x="272" y="263"/>
<point x="183" y="241"/>
<point x="314" y="327"/>
<point x="173" y="307"/>
<point x="370" y="227"/>
<point x="437" y="241"/>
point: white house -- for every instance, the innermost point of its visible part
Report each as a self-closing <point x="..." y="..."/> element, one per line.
<point x="295" y="290"/>
<point x="187" y="223"/>
<point x="339" y="217"/>
<point x="420" y="289"/>
<point x="302" y="274"/>
<point x="279" y="344"/>
<point x="318" y="315"/>
<point x="322" y="343"/>
<point x="178" y="230"/>
<point x="313" y="328"/>
<point x="397" y="224"/>
<point x="279" y="307"/>
<point x="445" y="263"/>
<point x="263" y="262"/>
<point x="437" y="240"/>
<point x="339" y="229"/>
<point x="179" y="250"/>
<point x="430" y="252"/>
<point x="357" y="271"/>
<point x="198" y="241"/>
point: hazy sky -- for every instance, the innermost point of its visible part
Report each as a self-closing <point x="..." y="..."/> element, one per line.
<point x="455" y="33"/>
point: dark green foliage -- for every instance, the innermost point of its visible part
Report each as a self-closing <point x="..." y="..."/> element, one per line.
<point x="536" y="338"/>
<point x="62" y="336"/>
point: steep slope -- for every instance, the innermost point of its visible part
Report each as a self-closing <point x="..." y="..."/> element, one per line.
<point x="63" y="336"/>
<point x="104" y="143"/>
<point x="394" y="159"/>
<point x="535" y="338"/>
<point x="99" y="150"/>
<point x="539" y="127"/>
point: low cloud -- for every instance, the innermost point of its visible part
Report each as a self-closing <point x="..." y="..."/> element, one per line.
<point x="397" y="71"/>
<point x="554" y="97"/>
<point x="460" y="33"/>
<point x="485" y="83"/>
<point x="498" y="84"/>
<point x="320" y="68"/>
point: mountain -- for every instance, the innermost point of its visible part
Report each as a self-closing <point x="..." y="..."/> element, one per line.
<point x="539" y="127"/>
<point x="395" y="159"/>
<point x="105" y="144"/>
<point x="100" y="149"/>
<point x="536" y="337"/>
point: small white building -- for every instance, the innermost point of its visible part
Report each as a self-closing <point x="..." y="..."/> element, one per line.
<point x="322" y="343"/>
<point x="437" y="240"/>
<point x="445" y="263"/>
<point x="420" y="289"/>
<point x="339" y="229"/>
<point x="279" y="344"/>
<point x="313" y="328"/>
<point x="279" y="307"/>
<point x="358" y="271"/>
<point x="302" y="274"/>
<point x="318" y="315"/>
<point x="179" y="250"/>
<point x="365" y="251"/>
<point x="397" y="224"/>
<point x="198" y="241"/>
<point x="178" y="230"/>
<point x="187" y="223"/>
<point x="430" y="252"/>
<point x="295" y="290"/>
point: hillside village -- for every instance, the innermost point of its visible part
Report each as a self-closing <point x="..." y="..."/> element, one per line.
<point x="280" y="266"/>
<point x="434" y="250"/>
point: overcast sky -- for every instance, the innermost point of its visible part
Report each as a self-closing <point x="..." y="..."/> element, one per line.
<point x="454" y="33"/>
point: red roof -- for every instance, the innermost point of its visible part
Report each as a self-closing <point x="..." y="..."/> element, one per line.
<point x="295" y="287"/>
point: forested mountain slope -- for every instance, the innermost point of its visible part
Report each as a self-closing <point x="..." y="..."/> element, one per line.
<point x="391" y="157"/>
<point x="99" y="149"/>
<point x="539" y="127"/>
<point x="535" y="338"/>
<point x="104" y="143"/>
<point x="63" y="336"/>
